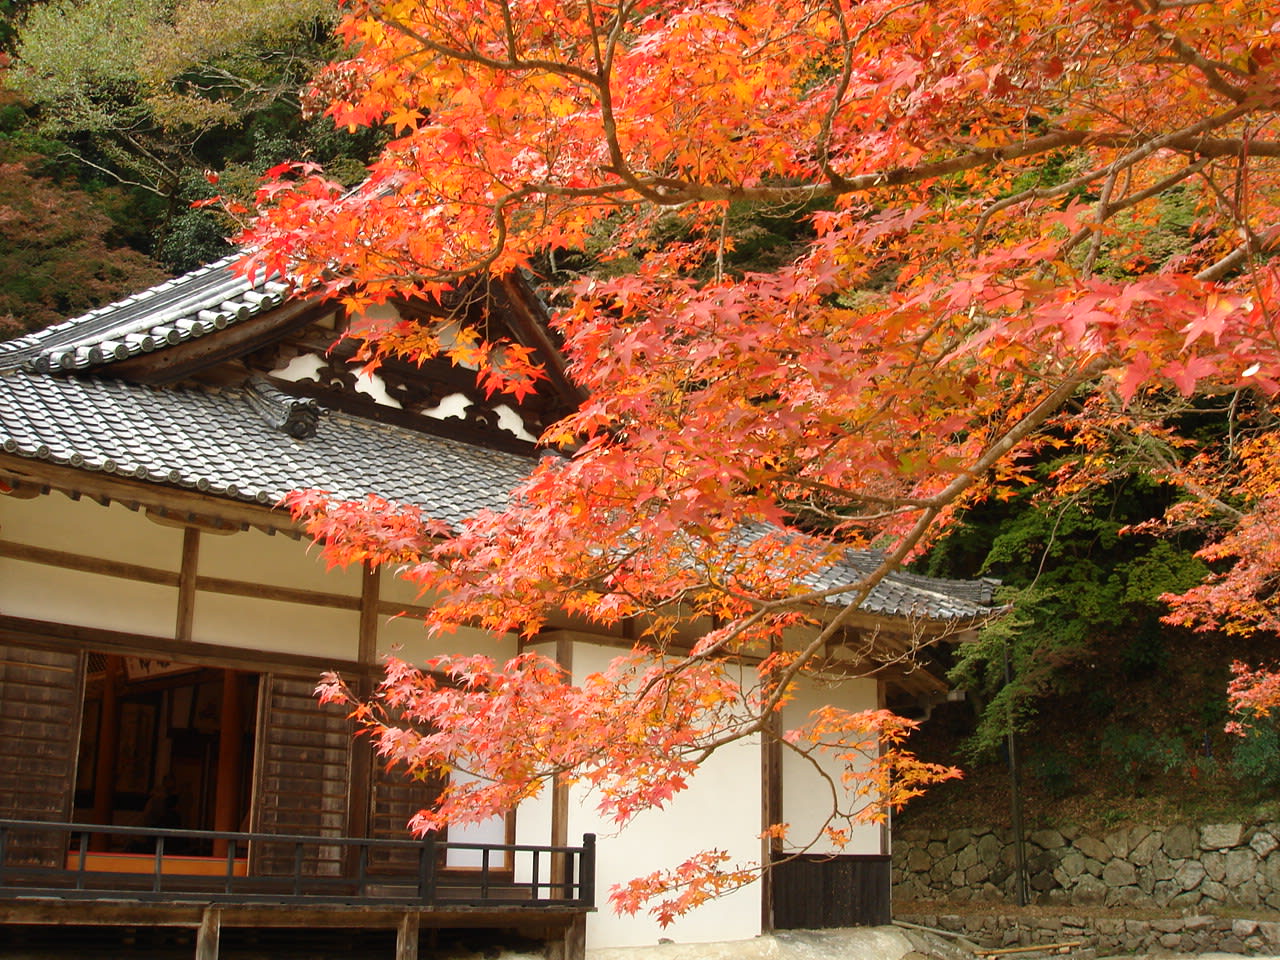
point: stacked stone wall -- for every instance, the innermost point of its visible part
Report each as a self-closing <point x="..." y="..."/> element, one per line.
<point x="1099" y="936"/>
<point x="1185" y="867"/>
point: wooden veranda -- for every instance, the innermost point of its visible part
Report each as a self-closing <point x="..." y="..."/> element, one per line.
<point x="50" y="874"/>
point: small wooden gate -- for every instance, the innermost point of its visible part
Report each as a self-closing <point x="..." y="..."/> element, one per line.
<point x="813" y="891"/>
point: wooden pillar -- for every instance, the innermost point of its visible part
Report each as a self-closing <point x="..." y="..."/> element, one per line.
<point x="226" y="802"/>
<point x="209" y="934"/>
<point x="771" y="811"/>
<point x="360" y="796"/>
<point x="560" y="792"/>
<point x="104" y="773"/>
<point x="187" y="585"/>
<point x="572" y="944"/>
<point x="407" y="936"/>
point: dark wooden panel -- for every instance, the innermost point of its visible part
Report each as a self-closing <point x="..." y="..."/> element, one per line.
<point x="303" y="778"/>
<point x="395" y="798"/>
<point x="813" y="892"/>
<point x="41" y="693"/>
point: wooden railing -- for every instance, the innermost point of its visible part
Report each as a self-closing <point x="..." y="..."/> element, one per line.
<point x="59" y="859"/>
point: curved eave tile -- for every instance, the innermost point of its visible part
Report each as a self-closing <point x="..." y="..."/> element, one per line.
<point x="174" y="312"/>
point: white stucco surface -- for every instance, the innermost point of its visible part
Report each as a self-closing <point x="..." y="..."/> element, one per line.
<point x="114" y="532"/>
<point x="409" y="639"/>
<point x="720" y="810"/>
<point x="44" y="592"/>
<point x="278" y="561"/>
<point x="275" y="626"/>
<point x="806" y="795"/>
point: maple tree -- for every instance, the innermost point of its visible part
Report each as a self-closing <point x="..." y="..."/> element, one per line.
<point x="58" y="255"/>
<point x="987" y="282"/>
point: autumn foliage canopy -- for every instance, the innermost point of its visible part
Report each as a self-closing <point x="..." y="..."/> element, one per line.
<point x="986" y="281"/>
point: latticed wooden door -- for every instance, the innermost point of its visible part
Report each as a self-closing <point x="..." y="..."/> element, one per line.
<point x="303" y="778"/>
<point x="41" y="700"/>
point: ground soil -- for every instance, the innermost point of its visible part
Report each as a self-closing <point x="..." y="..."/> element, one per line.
<point x="1176" y="765"/>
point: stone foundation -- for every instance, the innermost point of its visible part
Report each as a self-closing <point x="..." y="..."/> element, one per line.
<point x="1196" y="869"/>
<point x="1104" y="935"/>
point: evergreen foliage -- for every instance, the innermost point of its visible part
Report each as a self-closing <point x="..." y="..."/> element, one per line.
<point x="1077" y="585"/>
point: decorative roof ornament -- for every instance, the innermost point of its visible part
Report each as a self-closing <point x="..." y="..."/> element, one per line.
<point x="299" y="417"/>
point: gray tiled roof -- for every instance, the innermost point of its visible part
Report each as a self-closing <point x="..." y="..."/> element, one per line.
<point x="252" y="443"/>
<point x="913" y="594"/>
<point x="219" y="441"/>
<point x="170" y="313"/>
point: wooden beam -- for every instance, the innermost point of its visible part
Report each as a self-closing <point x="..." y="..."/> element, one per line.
<point x="167" y="578"/>
<point x="770" y="806"/>
<point x="263" y="591"/>
<point x="48" y="912"/>
<point x="387" y="608"/>
<point x="360" y="789"/>
<point x="230" y="740"/>
<point x="370" y="588"/>
<point x="184" y="359"/>
<point x="192" y="522"/>
<point x="529" y="323"/>
<point x="77" y="561"/>
<point x="169" y="501"/>
<point x="19" y="490"/>
<point x="407" y="936"/>
<point x="560" y="790"/>
<point x="104" y="774"/>
<point x="187" y="584"/>
<point x="43" y="633"/>
<point x="572" y="942"/>
<point x="450" y="429"/>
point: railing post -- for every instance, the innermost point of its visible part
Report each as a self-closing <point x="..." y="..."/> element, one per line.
<point x="297" y="868"/>
<point x="533" y="879"/>
<point x="82" y="861"/>
<point x="362" y="866"/>
<point x="427" y="870"/>
<point x="157" y="881"/>
<point x="587" y="871"/>
<point x="231" y="864"/>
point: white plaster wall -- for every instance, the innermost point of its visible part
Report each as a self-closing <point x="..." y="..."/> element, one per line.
<point x="278" y="626"/>
<point x="806" y="797"/>
<point x="114" y="532"/>
<point x="86" y="600"/>
<point x="721" y="809"/>
<point x="533" y="818"/>
<point x="279" y="561"/>
<point x="288" y="628"/>
<point x="395" y="589"/>
<point x="409" y="639"/>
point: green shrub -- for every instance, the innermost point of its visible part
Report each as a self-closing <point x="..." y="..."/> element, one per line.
<point x="1255" y="758"/>
<point x="1143" y="753"/>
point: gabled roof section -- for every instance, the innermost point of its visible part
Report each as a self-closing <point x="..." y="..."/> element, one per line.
<point x="913" y="594"/>
<point x="177" y="311"/>
<point x="97" y="396"/>
<point x="236" y="443"/>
